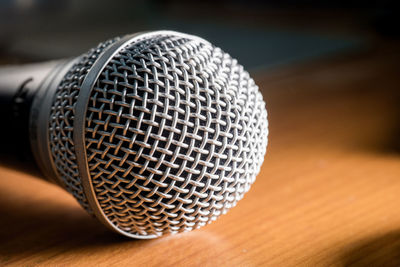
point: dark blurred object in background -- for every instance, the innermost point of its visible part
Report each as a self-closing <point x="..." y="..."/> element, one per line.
<point x="261" y="34"/>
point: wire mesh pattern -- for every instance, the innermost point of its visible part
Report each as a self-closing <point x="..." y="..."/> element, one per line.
<point x="176" y="133"/>
<point x="61" y="123"/>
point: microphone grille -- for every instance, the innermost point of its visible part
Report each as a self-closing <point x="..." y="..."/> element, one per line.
<point x="175" y="133"/>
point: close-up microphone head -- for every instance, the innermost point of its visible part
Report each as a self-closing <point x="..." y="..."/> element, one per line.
<point x="153" y="133"/>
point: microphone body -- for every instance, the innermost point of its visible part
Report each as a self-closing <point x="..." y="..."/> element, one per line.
<point x="18" y="87"/>
<point x="153" y="133"/>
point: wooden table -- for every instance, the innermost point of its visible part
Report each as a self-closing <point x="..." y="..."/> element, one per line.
<point x="328" y="192"/>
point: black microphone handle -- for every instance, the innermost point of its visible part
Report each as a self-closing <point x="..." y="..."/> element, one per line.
<point x="18" y="87"/>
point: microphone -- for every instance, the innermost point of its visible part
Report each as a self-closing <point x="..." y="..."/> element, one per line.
<point x="153" y="133"/>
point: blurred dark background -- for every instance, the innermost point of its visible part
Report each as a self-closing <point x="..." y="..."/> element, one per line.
<point x="261" y="34"/>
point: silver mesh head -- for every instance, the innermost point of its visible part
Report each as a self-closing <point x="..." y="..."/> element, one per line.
<point x="174" y="132"/>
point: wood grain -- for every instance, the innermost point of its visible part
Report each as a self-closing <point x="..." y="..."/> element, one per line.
<point x="328" y="192"/>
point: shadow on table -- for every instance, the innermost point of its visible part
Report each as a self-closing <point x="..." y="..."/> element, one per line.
<point x="375" y="251"/>
<point x="37" y="226"/>
<point x="36" y="231"/>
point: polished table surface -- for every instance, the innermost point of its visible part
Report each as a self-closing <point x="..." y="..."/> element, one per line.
<point x="327" y="194"/>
